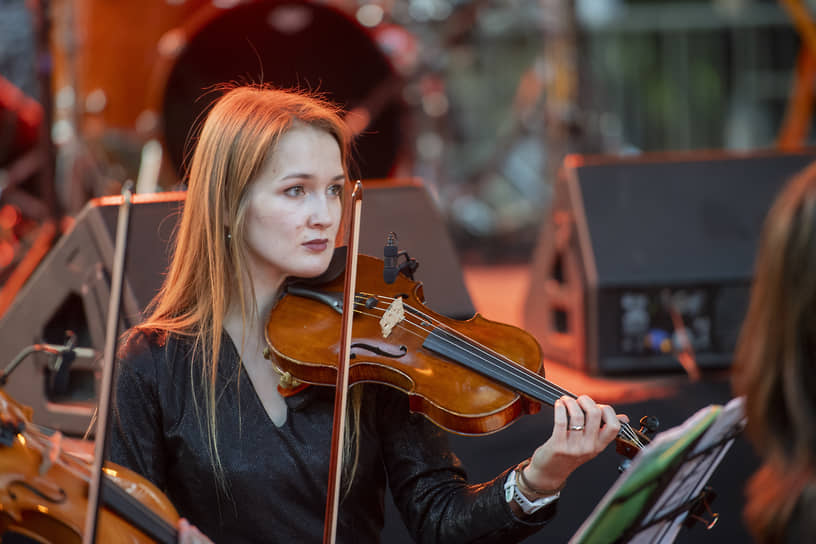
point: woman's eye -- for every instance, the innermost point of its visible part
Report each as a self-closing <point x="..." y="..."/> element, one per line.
<point x="297" y="190"/>
<point x="336" y="189"/>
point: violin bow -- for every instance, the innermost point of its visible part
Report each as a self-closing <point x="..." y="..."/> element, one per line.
<point x="341" y="390"/>
<point x="106" y="386"/>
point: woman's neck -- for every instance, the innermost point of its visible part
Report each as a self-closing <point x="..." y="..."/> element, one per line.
<point x="250" y="320"/>
<point x="247" y="325"/>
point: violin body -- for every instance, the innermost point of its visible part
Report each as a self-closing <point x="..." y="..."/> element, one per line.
<point x="455" y="398"/>
<point x="44" y="490"/>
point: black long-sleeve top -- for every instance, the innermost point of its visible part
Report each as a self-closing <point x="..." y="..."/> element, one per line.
<point x="277" y="476"/>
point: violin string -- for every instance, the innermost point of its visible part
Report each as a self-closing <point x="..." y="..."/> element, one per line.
<point x="522" y="374"/>
<point x="42" y="444"/>
<point x="489" y="357"/>
<point x="506" y="369"/>
<point x="626" y="431"/>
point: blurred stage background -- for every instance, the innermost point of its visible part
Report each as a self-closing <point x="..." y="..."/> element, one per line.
<point x="594" y="171"/>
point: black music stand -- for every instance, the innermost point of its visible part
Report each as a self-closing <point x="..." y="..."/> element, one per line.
<point x="665" y="486"/>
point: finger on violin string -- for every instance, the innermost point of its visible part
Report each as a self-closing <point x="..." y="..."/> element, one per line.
<point x="592" y="412"/>
<point x="575" y="414"/>
<point x="560" y="417"/>
<point x="609" y="415"/>
<point x="611" y="423"/>
<point x="607" y="409"/>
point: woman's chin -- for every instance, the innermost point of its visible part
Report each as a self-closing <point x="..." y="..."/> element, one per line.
<point x="314" y="270"/>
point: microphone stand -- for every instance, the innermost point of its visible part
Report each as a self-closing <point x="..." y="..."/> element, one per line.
<point x="62" y="352"/>
<point x="106" y="386"/>
<point x="45" y="68"/>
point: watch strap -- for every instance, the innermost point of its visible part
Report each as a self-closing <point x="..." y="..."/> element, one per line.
<point x="512" y="493"/>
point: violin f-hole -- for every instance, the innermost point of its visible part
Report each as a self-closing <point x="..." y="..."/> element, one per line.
<point x="59" y="499"/>
<point x="374" y="349"/>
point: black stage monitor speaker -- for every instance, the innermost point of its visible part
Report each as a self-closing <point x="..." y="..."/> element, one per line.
<point x="645" y="263"/>
<point x="70" y="291"/>
<point x="71" y="288"/>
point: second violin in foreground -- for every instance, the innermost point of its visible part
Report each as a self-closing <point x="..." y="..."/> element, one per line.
<point x="44" y="491"/>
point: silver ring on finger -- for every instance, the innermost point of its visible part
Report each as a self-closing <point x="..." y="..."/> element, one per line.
<point x="576" y="427"/>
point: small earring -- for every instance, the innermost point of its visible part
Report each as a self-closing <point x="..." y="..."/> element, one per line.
<point x="229" y="236"/>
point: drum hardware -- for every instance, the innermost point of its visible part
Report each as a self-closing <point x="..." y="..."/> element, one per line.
<point x="123" y="89"/>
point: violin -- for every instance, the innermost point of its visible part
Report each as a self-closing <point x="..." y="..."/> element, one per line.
<point x="44" y="490"/>
<point x="470" y="377"/>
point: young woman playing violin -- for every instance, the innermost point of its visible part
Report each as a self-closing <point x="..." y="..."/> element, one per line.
<point x="199" y="411"/>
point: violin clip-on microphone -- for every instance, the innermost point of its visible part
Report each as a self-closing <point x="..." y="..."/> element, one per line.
<point x="391" y="255"/>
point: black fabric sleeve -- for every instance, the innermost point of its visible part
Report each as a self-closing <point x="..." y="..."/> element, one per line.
<point x="136" y="440"/>
<point x="430" y="488"/>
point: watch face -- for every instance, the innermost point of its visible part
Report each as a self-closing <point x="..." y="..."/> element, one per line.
<point x="510" y="487"/>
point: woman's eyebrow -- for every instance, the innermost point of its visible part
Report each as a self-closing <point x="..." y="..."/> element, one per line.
<point x="295" y="175"/>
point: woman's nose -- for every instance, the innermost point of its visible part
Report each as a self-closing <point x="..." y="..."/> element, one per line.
<point x="321" y="213"/>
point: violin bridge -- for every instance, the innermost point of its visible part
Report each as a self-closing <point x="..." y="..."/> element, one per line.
<point x="392" y="317"/>
<point x="54" y="450"/>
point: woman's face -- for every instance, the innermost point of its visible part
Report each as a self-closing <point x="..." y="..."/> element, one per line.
<point x="295" y="207"/>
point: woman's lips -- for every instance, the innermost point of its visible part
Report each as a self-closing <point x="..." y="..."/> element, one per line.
<point x="316" y="245"/>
